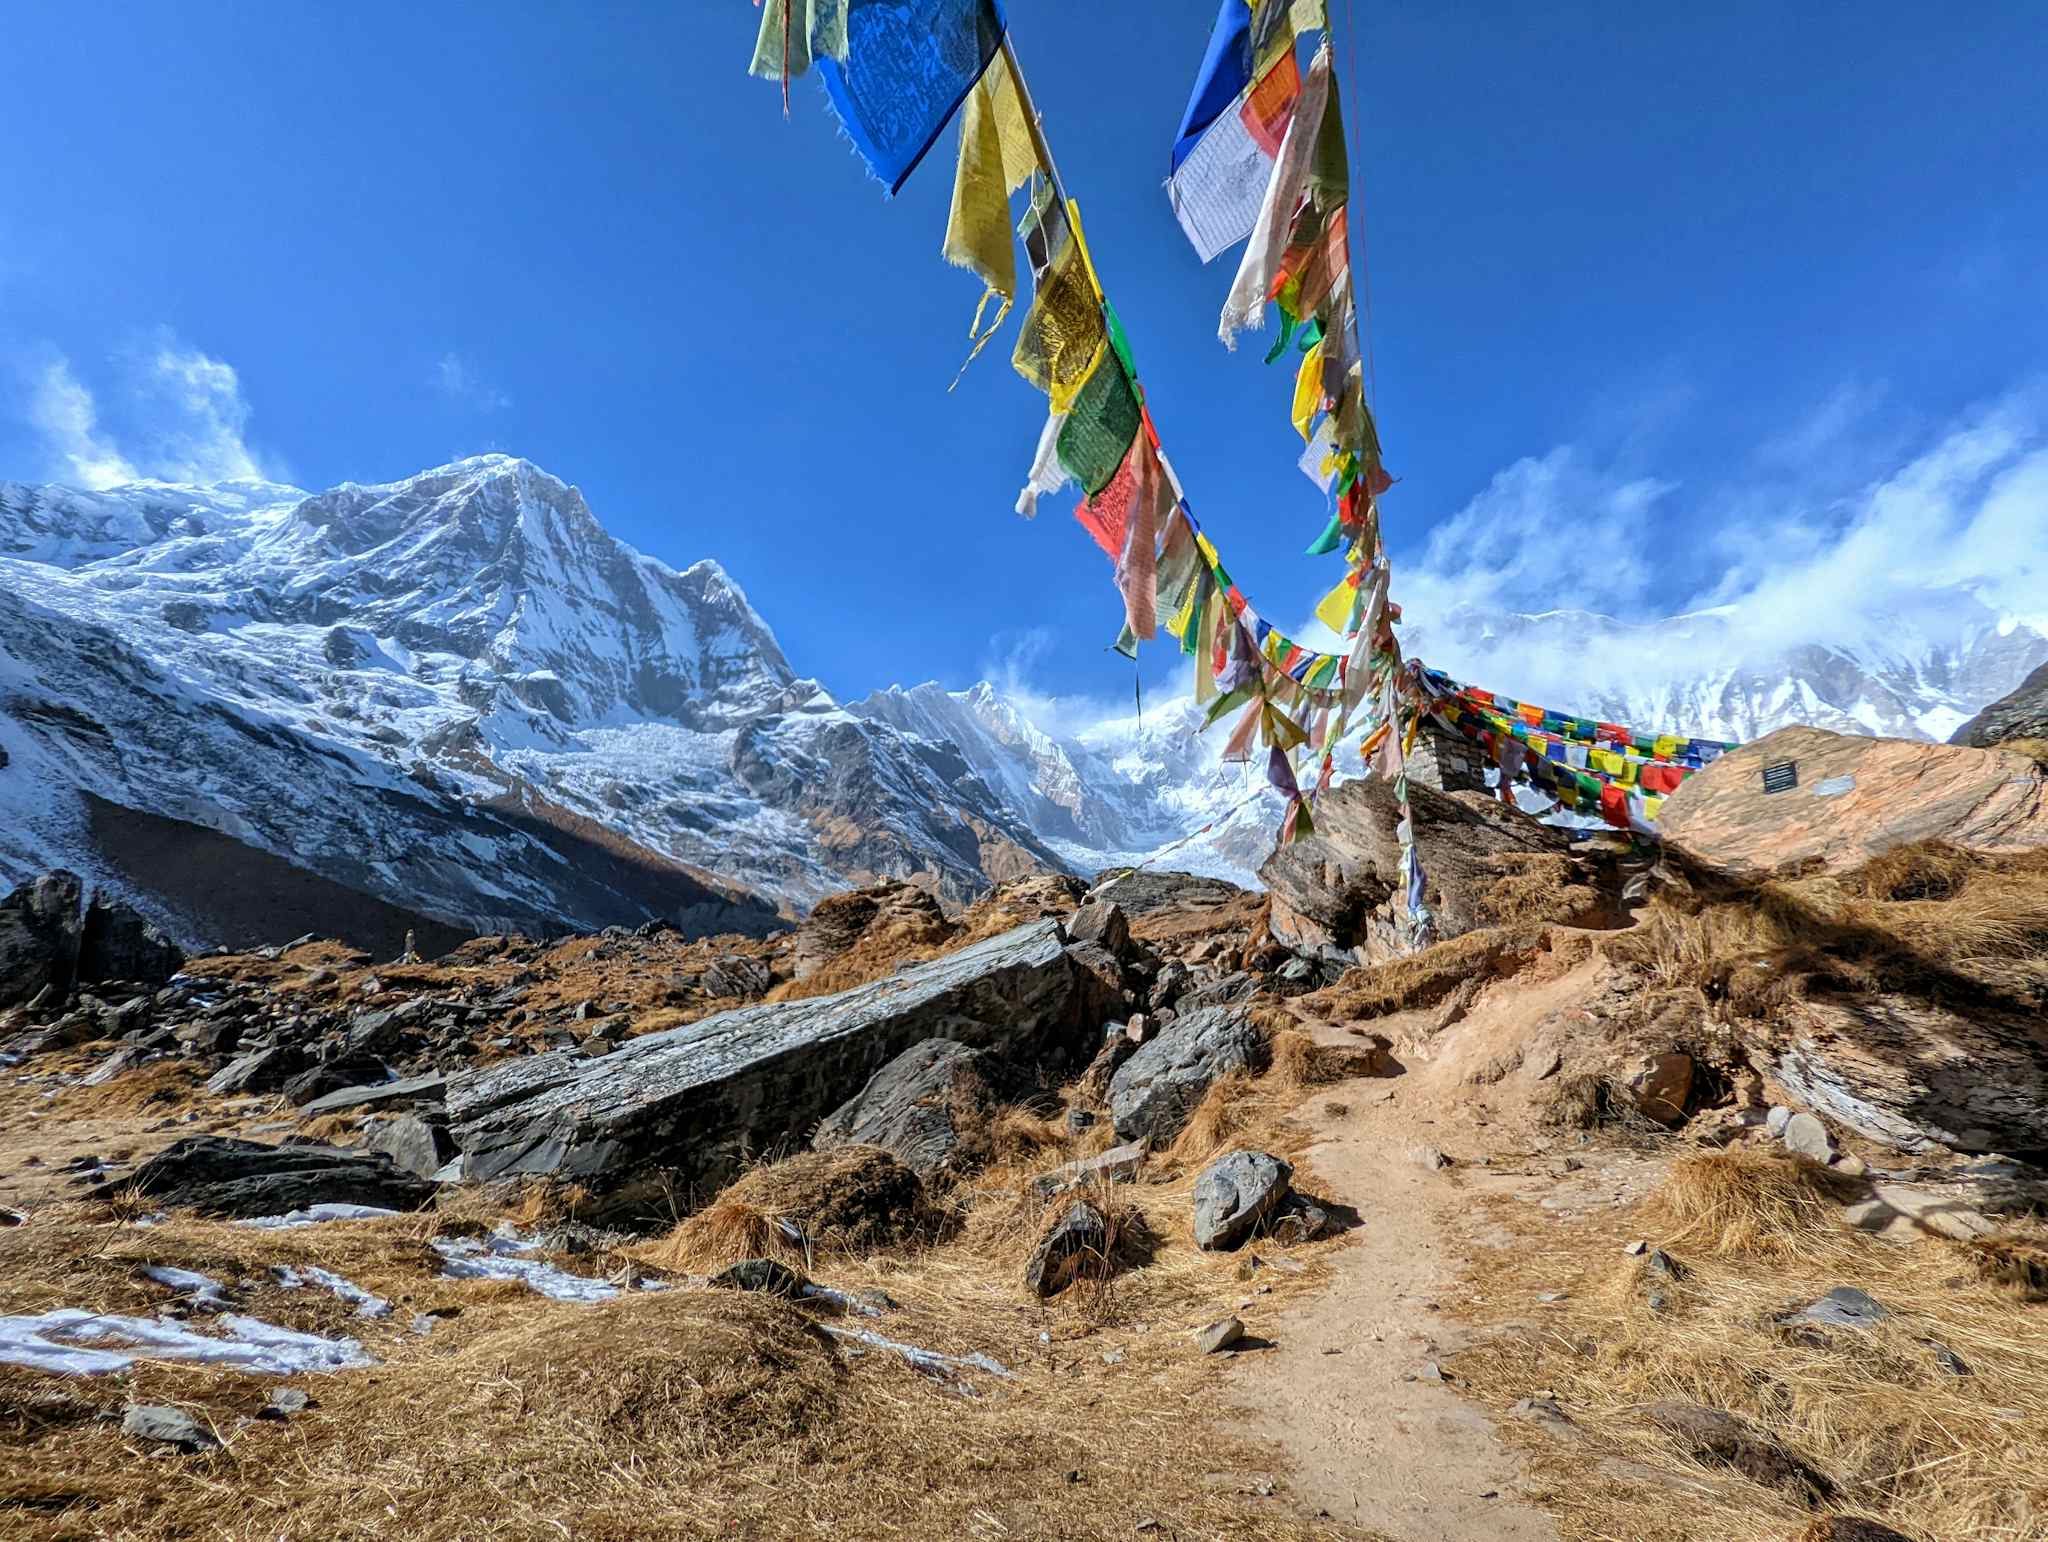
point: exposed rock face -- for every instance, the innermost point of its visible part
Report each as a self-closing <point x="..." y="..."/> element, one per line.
<point x="1235" y="1193"/>
<point x="118" y="944"/>
<point x="2021" y="715"/>
<point x="1911" y="1074"/>
<point x="39" y="937"/>
<point x="1080" y="1236"/>
<point x="929" y="1108"/>
<point x="1154" y="1091"/>
<point x="899" y="914"/>
<point x="219" y="1176"/>
<point x="680" y="1111"/>
<point x="1143" y="891"/>
<point x="1335" y="894"/>
<point x="420" y="1146"/>
<point x="1855" y="799"/>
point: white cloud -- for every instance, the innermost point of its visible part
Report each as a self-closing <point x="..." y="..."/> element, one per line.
<point x="459" y="379"/>
<point x="185" y="419"/>
<point x="196" y="416"/>
<point x="62" y="410"/>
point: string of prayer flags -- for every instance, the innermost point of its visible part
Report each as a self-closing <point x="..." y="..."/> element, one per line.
<point x="1233" y="124"/>
<point x="905" y="70"/>
<point x="1064" y="335"/>
<point x="997" y="157"/>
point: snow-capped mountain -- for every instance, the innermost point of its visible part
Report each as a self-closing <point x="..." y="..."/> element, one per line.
<point x="455" y="693"/>
<point x="457" y="697"/>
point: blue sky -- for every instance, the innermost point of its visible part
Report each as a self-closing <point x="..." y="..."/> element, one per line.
<point x="1661" y="297"/>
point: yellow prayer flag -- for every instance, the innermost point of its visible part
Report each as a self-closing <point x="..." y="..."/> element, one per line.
<point x="1308" y="391"/>
<point x="1334" y="609"/>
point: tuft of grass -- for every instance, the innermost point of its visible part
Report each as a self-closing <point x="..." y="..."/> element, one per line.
<point x="1751" y="1203"/>
<point x="850" y="1199"/>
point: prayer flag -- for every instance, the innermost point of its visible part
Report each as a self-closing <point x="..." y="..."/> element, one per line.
<point x="909" y="64"/>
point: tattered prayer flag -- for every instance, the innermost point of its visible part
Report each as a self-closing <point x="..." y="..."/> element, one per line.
<point x="907" y="69"/>
<point x="792" y="32"/>
<point x="1259" y="270"/>
<point x="1233" y="124"/>
<point x="996" y="158"/>
<point x="1047" y="474"/>
<point x="1238" y="747"/>
<point x="1308" y="392"/>
<point x="1100" y="429"/>
<point x="1064" y="337"/>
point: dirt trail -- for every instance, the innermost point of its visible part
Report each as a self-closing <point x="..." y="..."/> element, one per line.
<point x="1349" y="1391"/>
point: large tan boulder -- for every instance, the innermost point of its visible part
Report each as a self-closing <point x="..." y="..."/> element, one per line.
<point x="1855" y="799"/>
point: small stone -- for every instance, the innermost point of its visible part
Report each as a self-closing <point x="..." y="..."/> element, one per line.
<point x="1852" y="1167"/>
<point x="1234" y="1194"/>
<point x="1806" y="1136"/>
<point x="760" y="1274"/>
<point x="1429" y="1158"/>
<point x="168" y="1426"/>
<point x="285" y="1402"/>
<point x="1112" y="1357"/>
<point x="1141" y="1029"/>
<point x="1845" y="1307"/>
<point x="1950" y="1361"/>
<point x="1431" y="1371"/>
<point x="1636" y="1249"/>
<point x="1219" y="1336"/>
<point x="1079" y="1119"/>
<point x="1776" y="1120"/>
<point x="1542" y="1409"/>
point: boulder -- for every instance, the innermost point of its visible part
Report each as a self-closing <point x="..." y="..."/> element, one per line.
<point x="897" y="915"/>
<point x="1143" y="890"/>
<point x="929" y="1107"/>
<point x="1235" y="1193"/>
<point x="736" y="975"/>
<point x="1101" y="921"/>
<point x="1153" y="1093"/>
<point x="2021" y="715"/>
<point x="681" y="1111"/>
<point x="339" y="1075"/>
<point x="1335" y="895"/>
<point x="1063" y="1254"/>
<point x="116" y="943"/>
<point x="263" y="1070"/>
<point x="220" y="1176"/>
<point x="1856" y="798"/>
<point x="1224" y="1333"/>
<point x="1912" y="1074"/>
<point x="421" y="1146"/>
<point x="1850" y="1528"/>
<point x="1807" y="1136"/>
<point x="1661" y="1086"/>
<point x="39" y="938"/>
<point x="161" y="1424"/>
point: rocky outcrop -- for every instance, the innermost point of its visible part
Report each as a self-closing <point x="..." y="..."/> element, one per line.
<point x="117" y="943"/>
<point x="39" y="937"/>
<point x="219" y="1176"/>
<point x="1912" y="1074"/>
<point x="897" y="913"/>
<point x="2021" y="715"/>
<point x="1334" y="895"/>
<point x="1854" y="799"/>
<point x="679" y="1112"/>
<point x="1156" y="1089"/>
<point x="929" y="1107"/>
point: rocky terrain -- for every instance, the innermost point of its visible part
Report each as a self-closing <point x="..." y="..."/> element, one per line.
<point x="1684" y="1191"/>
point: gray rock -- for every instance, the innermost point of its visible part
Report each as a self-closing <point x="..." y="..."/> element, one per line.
<point x="1845" y="1307"/>
<point x="284" y="1402"/>
<point x="1153" y="1093"/>
<point x="1228" y="991"/>
<point x="736" y="975"/>
<point x="929" y="1108"/>
<point x="2021" y="715"/>
<point x="402" y="1093"/>
<point x="263" y="1070"/>
<point x="335" y="1076"/>
<point x="219" y="1176"/>
<point x="1235" y="1193"/>
<point x="1062" y="1254"/>
<point x="1119" y="1164"/>
<point x="1776" y="1120"/>
<point x="168" y="1426"/>
<point x="1104" y="922"/>
<point x="1225" y="1333"/>
<point x="1299" y="1221"/>
<point x="420" y="1146"/>
<point x="384" y="1032"/>
<point x="681" y="1110"/>
<point x="1429" y="1158"/>
<point x="39" y="938"/>
<point x="1808" y="1137"/>
<point x="116" y="943"/>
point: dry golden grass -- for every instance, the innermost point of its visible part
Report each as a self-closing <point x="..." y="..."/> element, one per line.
<point x="1927" y="919"/>
<point x="1536" y="888"/>
<point x="683" y="1413"/>
<point x="1962" y="1458"/>
<point x="2019" y="1263"/>
<point x="1752" y="1203"/>
<point x="1425" y="978"/>
<point x="2034" y="749"/>
<point x="851" y="1199"/>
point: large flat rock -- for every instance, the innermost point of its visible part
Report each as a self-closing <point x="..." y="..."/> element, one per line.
<point x="1855" y="799"/>
<point x="679" y="1113"/>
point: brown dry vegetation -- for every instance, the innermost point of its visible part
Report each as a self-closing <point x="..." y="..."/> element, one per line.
<point x="1927" y="919"/>
<point x="1961" y="1458"/>
<point x="683" y="1412"/>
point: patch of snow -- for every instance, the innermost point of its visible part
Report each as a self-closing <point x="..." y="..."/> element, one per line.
<point x="365" y="1303"/>
<point x="49" y="1342"/>
<point x="499" y="1258"/>
<point x="205" y="1291"/>
<point x="313" y="1215"/>
<point x="942" y="1367"/>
